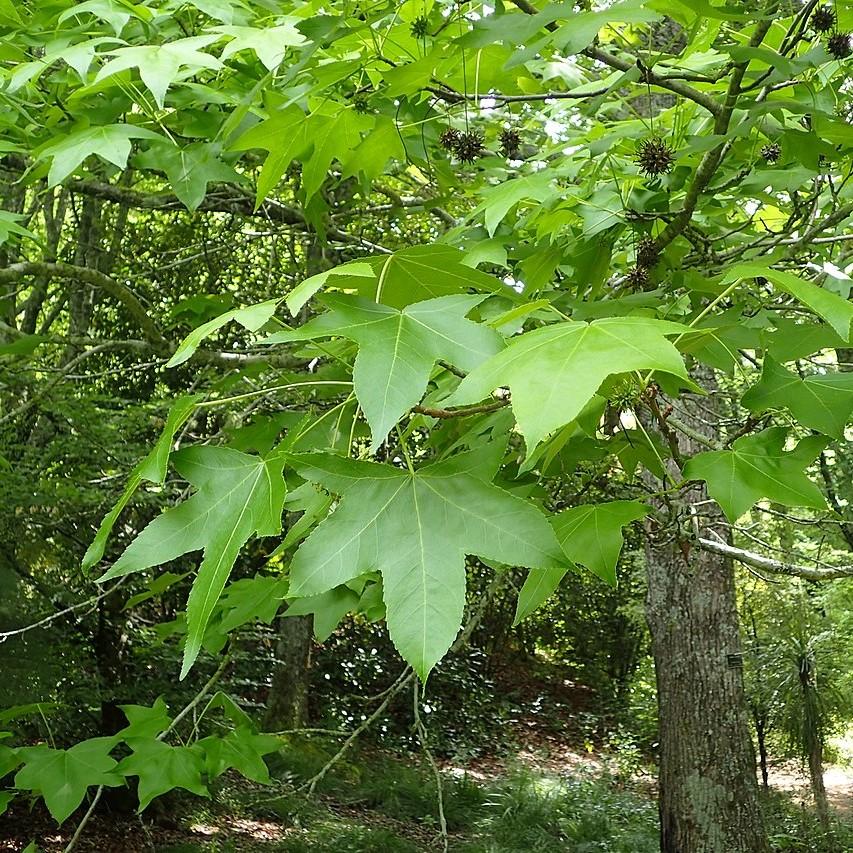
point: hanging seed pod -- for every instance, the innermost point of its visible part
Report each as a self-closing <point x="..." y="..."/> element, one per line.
<point x="420" y="27"/>
<point x="469" y="146"/>
<point x="771" y="152"/>
<point x="839" y="45"/>
<point x="823" y="19"/>
<point x="449" y="138"/>
<point x="510" y="140"/>
<point x="360" y="104"/>
<point x="654" y="157"/>
<point x="638" y="277"/>
<point x="648" y="253"/>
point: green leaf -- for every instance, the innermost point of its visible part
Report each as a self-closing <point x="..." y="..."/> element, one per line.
<point x="268" y="43"/>
<point x="836" y="311"/>
<point x="554" y="371"/>
<point x="157" y="587"/>
<point x="242" y="750"/>
<point x="144" y="721"/>
<point x="411" y="275"/>
<point x="333" y="139"/>
<point x="758" y="467"/>
<point x="189" y="169"/>
<point x="327" y="608"/>
<point x="371" y="155"/>
<point x="258" y="598"/>
<point x="62" y="776"/>
<point x="25" y="345"/>
<point x="821" y="401"/>
<point x="6" y="797"/>
<point x="538" y="587"/>
<point x="579" y="32"/>
<point x="500" y="199"/>
<point x="592" y="534"/>
<point x="161" y="768"/>
<point x="115" y="12"/>
<point x="397" y="350"/>
<point x="307" y="288"/>
<point x="151" y="468"/>
<point x="110" y="142"/>
<point x="416" y="530"/>
<point x="160" y="65"/>
<point x="286" y="134"/>
<point x="9" y="225"/>
<point x="9" y="758"/>
<point x="252" y="317"/>
<point x="236" y="496"/>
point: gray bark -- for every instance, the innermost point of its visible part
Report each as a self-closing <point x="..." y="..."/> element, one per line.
<point x="708" y="793"/>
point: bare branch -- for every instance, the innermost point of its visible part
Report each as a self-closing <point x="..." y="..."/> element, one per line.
<point x="778" y="567"/>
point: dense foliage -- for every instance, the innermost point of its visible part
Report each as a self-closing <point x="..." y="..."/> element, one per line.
<point x="407" y="317"/>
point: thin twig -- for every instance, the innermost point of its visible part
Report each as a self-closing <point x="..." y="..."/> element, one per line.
<point x="422" y="737"/>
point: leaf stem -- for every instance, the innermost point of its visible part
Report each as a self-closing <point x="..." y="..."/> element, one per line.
<point x="261" y="391"/>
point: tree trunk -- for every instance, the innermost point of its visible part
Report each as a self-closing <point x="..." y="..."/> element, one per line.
<point x="761" y="737"/>
<point x="287" y="704"/>
<point x="708" y="791"/>
<point x="818" y="787"/>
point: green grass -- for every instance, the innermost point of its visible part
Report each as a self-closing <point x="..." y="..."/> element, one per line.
<point x="521" y="812"/>
<point x="376" y="802"/>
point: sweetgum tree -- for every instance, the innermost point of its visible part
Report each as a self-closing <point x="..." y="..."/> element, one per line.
<point x="545" y="247"/>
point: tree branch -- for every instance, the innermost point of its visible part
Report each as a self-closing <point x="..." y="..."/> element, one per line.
<point x="92" y="277"/>
<point x="778" y="567"/>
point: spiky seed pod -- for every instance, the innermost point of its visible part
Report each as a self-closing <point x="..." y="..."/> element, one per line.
<point x="420" y="27"/>
<point x="772" y="152"/>
<point x="638" y="277"/>
<point x="449" y="138"/>
<point x="655" y="157"/>
<point x="469" y="146"/>
<point x="361" y="105"/>
<point x="839" y="45"/>
<point x="510" y="140"/>
<point x="823" y="19"/>
<point x="648" y="253"/>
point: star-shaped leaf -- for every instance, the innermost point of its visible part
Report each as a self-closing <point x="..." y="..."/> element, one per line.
<point x="398" y="349"/>
<point x="410" y="275"/>
<point x="189" y="169"/>
<point x="822" y="401"/>
<point x="416" y="528"/>
<point x="756" y="467"/>
<point x="268" y="43"/>
<point x="237" y="495"/>
<point x="161" y="64"/>
<point x="63" y="776"/>
<point x="242" y="750"/>
<point x="144" y="720"/>
<point x="592" y="534"/>
<point x="161" y="768"/>
<point x="554" y="371"/>
<point x="111" y="142"/>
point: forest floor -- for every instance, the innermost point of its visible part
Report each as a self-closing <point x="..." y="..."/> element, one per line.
<point x="545" y="796"/>
<point x="551" y="790"/>
<point x="789" y="777"/>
